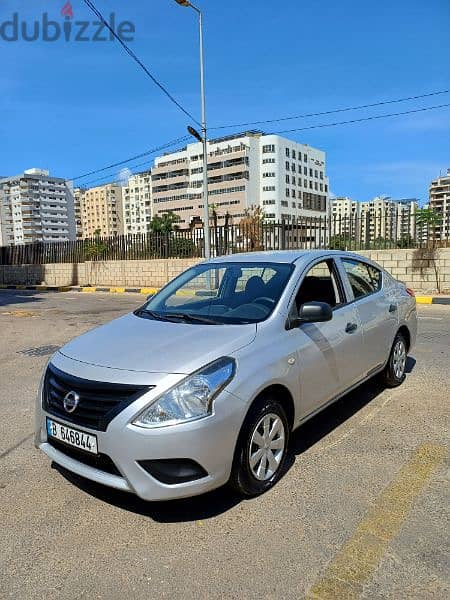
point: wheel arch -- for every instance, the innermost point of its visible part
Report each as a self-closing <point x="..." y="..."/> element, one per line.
<point x="281" y="393"/>
<point x="407" y="335"/>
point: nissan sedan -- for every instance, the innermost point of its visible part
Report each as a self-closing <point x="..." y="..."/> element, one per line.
<point x="204" y="384"/>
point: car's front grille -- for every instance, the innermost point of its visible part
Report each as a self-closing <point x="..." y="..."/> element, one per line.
<point x="98" y="461"/>
<point x="98" y="402"/>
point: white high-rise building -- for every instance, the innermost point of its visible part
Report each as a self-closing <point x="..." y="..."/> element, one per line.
<point x="35" y="207"/>
<point x="285" y="178"/>
<point x="137" y="203"/>
<point x="440" y="202"/>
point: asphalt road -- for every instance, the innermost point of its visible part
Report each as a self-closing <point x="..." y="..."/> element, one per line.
<point x="361" y="512"/>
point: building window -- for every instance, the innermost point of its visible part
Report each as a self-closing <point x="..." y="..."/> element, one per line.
<point x="269" y="188"/>
<point x="310" y="172"/>
<point x="269" y="149"/>
<point x="288" y="165"/>
<point x="321" y="174"/>
<point x="305" y="158"/>
<point x="287" y="192"/>
<point x="284" y="203"/>
<point x="293" y="205"/>
<point x="293" y="154"/>
<point x="269" y="174"/>
<point x="287" y="178"/>
<point x="293" y="167"/>
<point x="305" y="183"/>
<point x="316" y="174"/>
<point x="287" y="152"/>
<point x="305" y="171"/>
<point x="293" y="193"/>
<point x="293" y="180"/>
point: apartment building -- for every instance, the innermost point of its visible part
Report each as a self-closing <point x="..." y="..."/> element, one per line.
<point x="77" y="196"/>
<point x="35" y="207"/>
<point x="137" y="203"/>
<point x="285" y="178"/>
<point x="101" y="211"/>
<point x="440" y="202"/>
<point x="377" y="219"/>
<point x="345" y="217"/>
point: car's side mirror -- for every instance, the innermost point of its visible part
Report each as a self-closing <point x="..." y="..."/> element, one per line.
<point x="312" y="312"/>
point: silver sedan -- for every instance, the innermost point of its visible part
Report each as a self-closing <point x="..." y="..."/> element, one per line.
<point x="203" y="384"/>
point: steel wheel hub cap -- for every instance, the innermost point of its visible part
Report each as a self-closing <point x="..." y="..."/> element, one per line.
<point x="267" y="447"/>
<point x="399" y="359"/>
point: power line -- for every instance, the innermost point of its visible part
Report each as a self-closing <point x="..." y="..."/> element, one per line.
<point x="407" y="112"/>
<point x="123" y="162"/>
<point x="110" y="175"/>
<point x="130" y="52"/>
<point x="330" y="112"/>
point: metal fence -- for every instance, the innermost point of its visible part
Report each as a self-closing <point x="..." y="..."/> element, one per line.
<point x="340" y="233"/>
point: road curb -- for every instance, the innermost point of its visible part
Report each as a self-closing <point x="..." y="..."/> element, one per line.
<point x="152" y="290"/>
<point x="84" y="289"/>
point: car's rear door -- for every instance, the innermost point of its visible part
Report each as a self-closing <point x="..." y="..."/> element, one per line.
<point x="328" y="354"/>
<point x="377" y="312"/>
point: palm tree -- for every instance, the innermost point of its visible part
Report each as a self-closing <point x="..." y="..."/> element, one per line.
<point x="164" y="223"/>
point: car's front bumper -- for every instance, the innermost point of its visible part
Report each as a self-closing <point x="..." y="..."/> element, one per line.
<point x="210" y="442"/>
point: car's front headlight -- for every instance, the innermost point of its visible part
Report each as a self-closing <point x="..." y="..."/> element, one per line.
<point x="190" y="399"/>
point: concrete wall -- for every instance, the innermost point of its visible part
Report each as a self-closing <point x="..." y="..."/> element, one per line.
<point x="417" y="268"/>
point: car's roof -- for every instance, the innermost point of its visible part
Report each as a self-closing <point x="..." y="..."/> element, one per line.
<point x="280" y="256"/>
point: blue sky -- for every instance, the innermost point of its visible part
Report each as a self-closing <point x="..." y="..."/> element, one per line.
<point x="74" y="107"/>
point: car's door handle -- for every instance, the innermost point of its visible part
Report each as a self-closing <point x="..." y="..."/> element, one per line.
<point x="392" y="308"/>
<point x="351" y="327"/>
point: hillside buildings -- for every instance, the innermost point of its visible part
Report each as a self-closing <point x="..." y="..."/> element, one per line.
<point x="35" y="207"/>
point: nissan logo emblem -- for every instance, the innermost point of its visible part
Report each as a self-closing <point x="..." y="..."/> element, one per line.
<point x="71" y="401"/>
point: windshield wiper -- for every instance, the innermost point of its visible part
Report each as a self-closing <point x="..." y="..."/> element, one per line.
<point x="190" y="318"/>
<point x="150" y="313"/>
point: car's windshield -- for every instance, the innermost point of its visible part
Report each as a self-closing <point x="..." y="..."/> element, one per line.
<point x="219" y="293"/>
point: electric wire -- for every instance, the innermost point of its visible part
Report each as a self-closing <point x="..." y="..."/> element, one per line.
<point x="330" y="112"/>
<point x="406" y="112"/>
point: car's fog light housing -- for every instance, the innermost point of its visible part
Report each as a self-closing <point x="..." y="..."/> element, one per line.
<point x="191" y="399"/>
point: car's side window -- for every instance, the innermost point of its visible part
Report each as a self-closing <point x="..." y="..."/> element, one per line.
<point x="320" y="284"/>
<point x="364" y="279"/>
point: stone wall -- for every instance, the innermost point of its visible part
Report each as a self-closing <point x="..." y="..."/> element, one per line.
<point x="417" y="268"/>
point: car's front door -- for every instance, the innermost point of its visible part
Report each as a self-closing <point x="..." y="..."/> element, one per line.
<point x="328" y="354"/>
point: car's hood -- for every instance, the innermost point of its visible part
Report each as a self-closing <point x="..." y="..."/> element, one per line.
<point x="136" y="344"/>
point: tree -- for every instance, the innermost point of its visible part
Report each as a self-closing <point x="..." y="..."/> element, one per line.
<point x="164" y="223"/>
<point x="95" y="248"/>
<point x="339" y="242"/>
<point x="427" y="219"/>
<point x="252" y="227"/>
<point x="406" y="241"/>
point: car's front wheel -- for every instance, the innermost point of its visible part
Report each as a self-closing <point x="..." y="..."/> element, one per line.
<point x="261" y="449"/>
<point x="394" y="372"/>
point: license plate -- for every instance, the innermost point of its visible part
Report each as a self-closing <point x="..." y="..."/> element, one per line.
<point x="72" y="437"/>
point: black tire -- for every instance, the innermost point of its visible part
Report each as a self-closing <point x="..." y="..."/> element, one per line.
<point x="393" y="375"/>
<point x="242" y="479"/>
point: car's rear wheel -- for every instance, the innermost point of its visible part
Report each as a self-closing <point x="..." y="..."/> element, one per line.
<point x="261" y="449"/>
<point x="394" y="372"/>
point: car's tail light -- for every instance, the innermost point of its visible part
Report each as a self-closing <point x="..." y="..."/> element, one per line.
<point x="411" y="292"/>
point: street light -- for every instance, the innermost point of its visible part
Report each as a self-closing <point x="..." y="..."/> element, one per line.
<point x="204" y="141"/>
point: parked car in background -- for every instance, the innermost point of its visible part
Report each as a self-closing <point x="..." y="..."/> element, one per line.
<point x="203" y="385"/>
